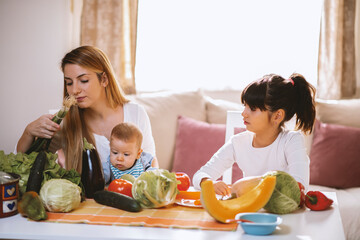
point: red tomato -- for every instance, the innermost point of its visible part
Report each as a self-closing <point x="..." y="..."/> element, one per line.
<point x="121" y="186"/>
<point x="185" y="181"/>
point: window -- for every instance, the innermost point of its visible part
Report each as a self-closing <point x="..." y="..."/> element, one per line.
<point x="222" y="44"/>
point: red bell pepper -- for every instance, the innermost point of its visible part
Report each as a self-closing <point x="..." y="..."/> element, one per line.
<point x="302" y="195"/>
<point x="317" y="201"/>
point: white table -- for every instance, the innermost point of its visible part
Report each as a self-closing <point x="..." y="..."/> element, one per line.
<point x="302" y="224"/>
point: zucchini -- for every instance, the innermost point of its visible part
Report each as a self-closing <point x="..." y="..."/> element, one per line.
<point x="117" y="200"/>
<point x="36" y="175"/>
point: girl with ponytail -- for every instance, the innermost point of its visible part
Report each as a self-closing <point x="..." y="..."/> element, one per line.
<point x="266" y="145"/>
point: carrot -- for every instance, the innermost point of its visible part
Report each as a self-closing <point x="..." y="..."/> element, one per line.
<point x="193" y="195"/>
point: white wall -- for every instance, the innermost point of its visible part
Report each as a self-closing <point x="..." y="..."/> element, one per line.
<point x="34" y="36"/>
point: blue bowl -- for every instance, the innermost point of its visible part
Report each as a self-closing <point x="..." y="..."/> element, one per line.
<point x="263" y="223"/>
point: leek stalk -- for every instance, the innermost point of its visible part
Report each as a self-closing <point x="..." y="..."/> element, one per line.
<point x="44" y="143"/>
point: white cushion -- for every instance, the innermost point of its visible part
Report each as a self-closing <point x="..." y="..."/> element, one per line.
<point x="216" y="109"/>
<point x="163" y="109"/>
<point x="230" y="95"/>
<point x="342" y="112"/>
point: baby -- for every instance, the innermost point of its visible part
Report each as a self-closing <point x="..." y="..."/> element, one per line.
<point x="126" y="154"/>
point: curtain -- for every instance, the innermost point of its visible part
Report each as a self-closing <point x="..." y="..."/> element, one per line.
<point x="75" y="9"/>
<point x="337" y="65"/>
<point x="357" y="47"/>
<point x="111" y="26"/>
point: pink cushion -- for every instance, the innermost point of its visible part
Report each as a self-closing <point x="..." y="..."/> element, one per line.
<point x="335" y="156"/>
<point x="196" y="142"/>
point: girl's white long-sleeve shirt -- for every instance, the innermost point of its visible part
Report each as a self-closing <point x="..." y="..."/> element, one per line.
<point x="287" y="153"/>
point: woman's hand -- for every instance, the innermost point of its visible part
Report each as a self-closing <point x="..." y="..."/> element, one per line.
<point x="221" y="188"/>
<point x="42" y="127"/>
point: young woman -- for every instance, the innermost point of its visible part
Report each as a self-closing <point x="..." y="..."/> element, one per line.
<point x="266" y="145"/>
<point x="89" y="77"/>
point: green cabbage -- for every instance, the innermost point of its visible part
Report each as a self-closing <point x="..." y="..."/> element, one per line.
<point x="155" y="188"/>
<point x="286" y="195"/>
<point x="60" y="195"/>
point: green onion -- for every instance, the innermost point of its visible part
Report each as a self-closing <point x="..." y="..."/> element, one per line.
<point x="44" y="143"/>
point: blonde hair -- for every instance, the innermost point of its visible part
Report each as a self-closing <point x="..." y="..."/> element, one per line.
<point x="75" y="128"/>
<point x="126" y="132"/>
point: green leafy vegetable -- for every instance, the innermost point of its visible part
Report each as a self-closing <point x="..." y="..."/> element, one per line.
<point x="286" y="195"/>
<point x="60" y="195"/>
<point x="87" y="145"/>
<point x="21" y="164"/>
<point x="155" y="188"/>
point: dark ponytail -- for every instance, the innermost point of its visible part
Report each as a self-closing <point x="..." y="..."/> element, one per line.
<point x="305" y="105"/>
<point x="294" y="95"/>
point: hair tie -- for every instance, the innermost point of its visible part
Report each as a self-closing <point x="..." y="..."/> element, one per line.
<point x="292" y="81"/>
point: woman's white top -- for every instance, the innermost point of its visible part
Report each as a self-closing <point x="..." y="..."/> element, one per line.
<point x="133" y="113"/>
<point x="287" y="153"/>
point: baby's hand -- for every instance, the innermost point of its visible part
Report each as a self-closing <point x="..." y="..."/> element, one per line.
<point x="221" y="188"/>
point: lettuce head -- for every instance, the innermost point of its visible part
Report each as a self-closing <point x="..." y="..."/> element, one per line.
<point x="155" y="188"/>
<point x="60" y="195"/>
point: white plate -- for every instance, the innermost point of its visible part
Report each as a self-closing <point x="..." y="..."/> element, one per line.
<point x="187" y="203"/>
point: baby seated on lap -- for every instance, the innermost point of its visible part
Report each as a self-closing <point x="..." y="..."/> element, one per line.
<point x="126" y="154"/>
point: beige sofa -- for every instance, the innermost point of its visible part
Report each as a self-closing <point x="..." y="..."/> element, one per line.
<point x="207" y="110"/>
